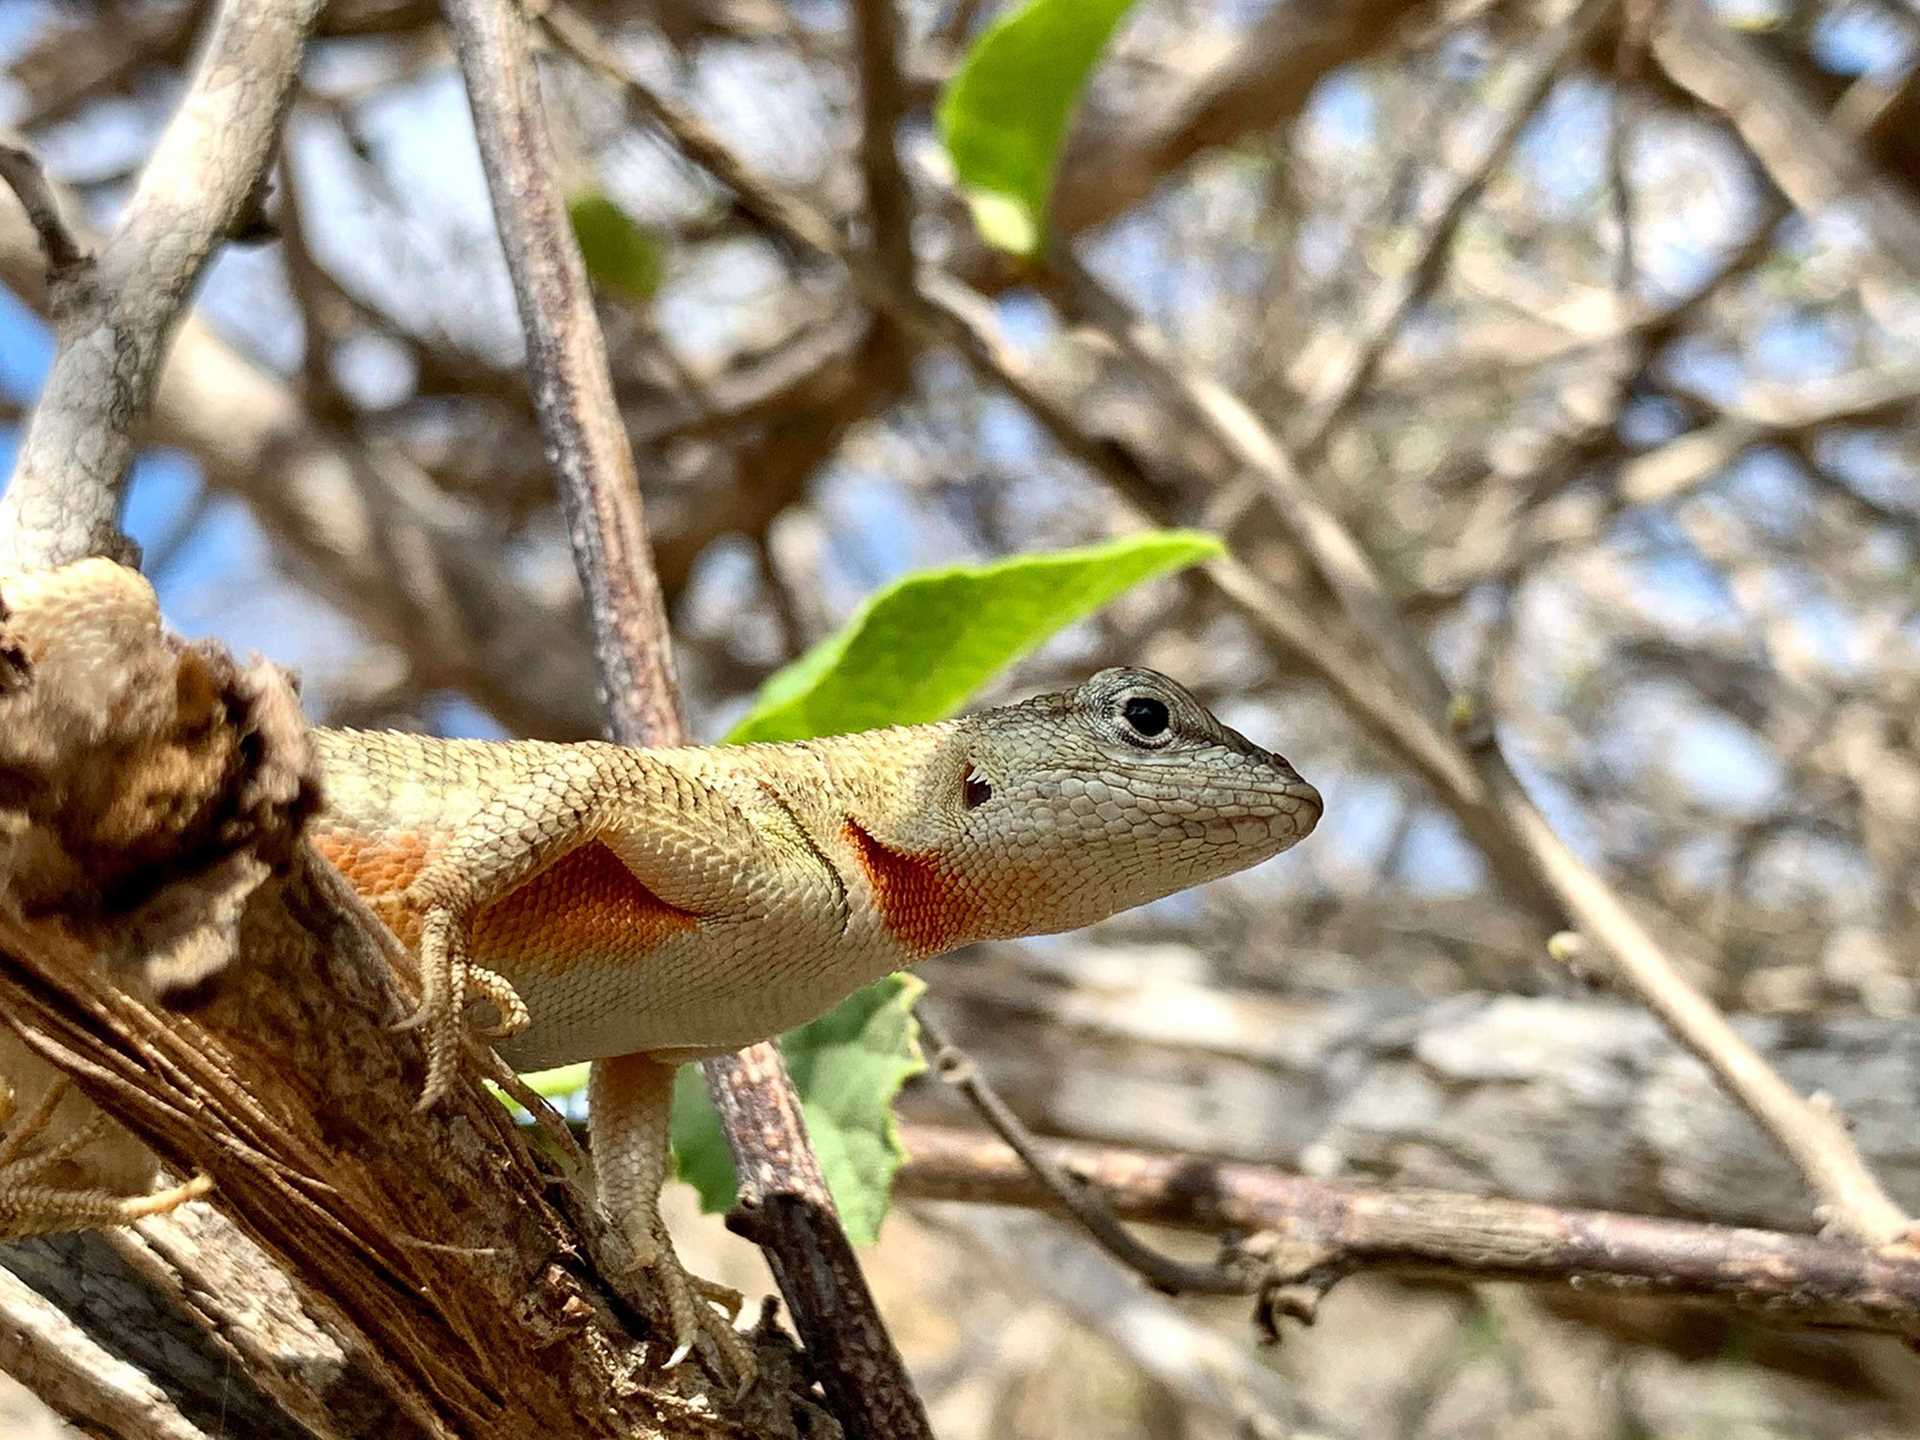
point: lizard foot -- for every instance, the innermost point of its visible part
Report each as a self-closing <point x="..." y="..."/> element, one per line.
<point x="31" y="1205"/>
<point x="449" y="980"/>
<point x="691" y="1316"/>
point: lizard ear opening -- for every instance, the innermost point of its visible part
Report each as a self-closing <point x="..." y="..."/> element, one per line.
<point x="975" y="790"/>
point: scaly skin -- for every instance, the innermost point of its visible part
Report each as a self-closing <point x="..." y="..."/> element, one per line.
<point x="641" y="908"/>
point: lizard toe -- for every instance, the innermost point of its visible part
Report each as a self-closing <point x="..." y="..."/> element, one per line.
<point x="691" y="1318"/>
<point x="510" y="1011"/>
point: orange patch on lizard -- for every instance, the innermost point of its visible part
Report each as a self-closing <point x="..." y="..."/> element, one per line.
<point x="586" y="905"/>
<point x="380" y="869"/>
<point x="920" y="902"/>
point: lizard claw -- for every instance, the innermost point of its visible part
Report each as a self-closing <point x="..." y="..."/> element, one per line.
<point x="691" y="1318"/>
<point x="510" y="1011"/>
<point x="448" y="981"/>
<point x="34" y="1205"/>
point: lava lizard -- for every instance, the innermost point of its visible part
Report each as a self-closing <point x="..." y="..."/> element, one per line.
<point x="640" y="908"/>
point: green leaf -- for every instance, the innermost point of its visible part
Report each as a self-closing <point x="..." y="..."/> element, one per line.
<point x="622" y="256"/>
<point x="848" y="1066"/>
<point x="555" y="1084"/>
<point x="1004" y="116"/>
<point x="700" y="1150"/>
<point x="917" y="649"/>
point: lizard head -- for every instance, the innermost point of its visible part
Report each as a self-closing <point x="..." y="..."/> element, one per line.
<point x="1062" y="810"/>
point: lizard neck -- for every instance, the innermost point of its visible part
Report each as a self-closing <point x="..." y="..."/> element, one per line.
<point x="872" y="806"/>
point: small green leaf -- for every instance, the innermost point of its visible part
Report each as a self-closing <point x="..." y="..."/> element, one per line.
<point x="700" y="1150"/>
<point x="917" y="649"/>
<point x="554" y="1084"/>
<point x="621" y="255"/>
<point x="1004" y="116"/>
<point x="848" y="1066"/>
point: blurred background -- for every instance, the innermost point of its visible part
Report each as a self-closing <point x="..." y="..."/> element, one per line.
<point x="1595" y="323"/>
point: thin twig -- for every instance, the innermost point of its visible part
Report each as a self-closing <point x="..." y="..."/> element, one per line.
<point x="883" y="101"/>
<point x="781" y="1185"/>
<point x="20" y="169"/>
<point x="1629" y="51"/>
<point x="64" y="498"/>
<point x="1175" y="1277"/>
<point x="1795" y="1280"/>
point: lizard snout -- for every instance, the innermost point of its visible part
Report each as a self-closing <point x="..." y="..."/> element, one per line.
<point x="1311" y="806"/>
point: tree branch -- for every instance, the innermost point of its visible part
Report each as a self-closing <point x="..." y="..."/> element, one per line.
<point x="64" y="498"/>
<point x="1318" y="1231"/>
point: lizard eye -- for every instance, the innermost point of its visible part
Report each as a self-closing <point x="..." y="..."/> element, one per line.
<point x="975" y="791"/>
<point x="1145" y="716"/>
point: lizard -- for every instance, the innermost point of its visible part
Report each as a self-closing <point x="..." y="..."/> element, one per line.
<point x="643" y="908"/>
<point x="635" y="908"/>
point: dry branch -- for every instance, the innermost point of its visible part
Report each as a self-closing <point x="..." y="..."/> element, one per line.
<point x="1315" y="1232"/>
<point x="63" y="501"/>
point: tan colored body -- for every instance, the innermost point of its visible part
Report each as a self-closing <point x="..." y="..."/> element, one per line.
<point x="694" y="900"/>
<point x="641" y="908"/>
<point x="744" y="912"/>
